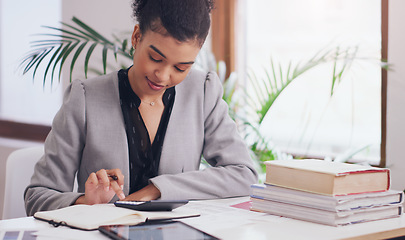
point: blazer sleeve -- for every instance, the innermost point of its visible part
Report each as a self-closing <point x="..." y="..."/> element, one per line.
<point x="232" y="170"/>
<point x="52" y="183"/>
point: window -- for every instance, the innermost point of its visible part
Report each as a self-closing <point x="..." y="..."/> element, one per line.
<point x="305" y="120"/>
<point x="21" y="98"/>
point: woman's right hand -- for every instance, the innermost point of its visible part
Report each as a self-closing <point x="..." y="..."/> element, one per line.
<point x="101" y="187"/>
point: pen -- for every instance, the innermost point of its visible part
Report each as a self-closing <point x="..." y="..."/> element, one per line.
<point x="115" y="178"/>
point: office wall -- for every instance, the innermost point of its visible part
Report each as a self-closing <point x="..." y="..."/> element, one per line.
<point x="105" y="16"/>
<point x="396" y="94"/>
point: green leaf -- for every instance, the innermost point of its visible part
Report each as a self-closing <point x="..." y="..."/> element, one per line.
<point x="60" y="36"/>
<point x="91" y="31"/>
<point x="40" y="60"/>
<point x="77" y="53"/>
<point x="50" y="63"/>
<point x="131" y="52"/>
<point x="334" y="73"/>
<point x="35" y="59"/>
<point x="45" y="44"/>
<point x="68" y="32"/>
<point x="257" y="88"/>
<point x="288" y="73"/>
<point x="274" y="73"/>
<point x="30" y="60"/>
<point x="124" y="45"/>
<point x="105" y="59"/>
<point x="66" y="54"/>
<point x="115" y="52"/>
<point x="249" y="99"/>
<point x="270" y="82"/>
<point x="82" y="32"/>
<point x="64" y="50"/>
<point x="86" y="62"/>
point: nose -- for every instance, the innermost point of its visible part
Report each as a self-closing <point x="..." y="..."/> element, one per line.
<point x="163" y="74"/>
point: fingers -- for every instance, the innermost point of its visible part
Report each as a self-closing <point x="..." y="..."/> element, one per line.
<point x="103" y="179"/>
<point x="91" y="185"/>
<point x="109" y="179"/>
<point x="117" y="182"/>
<point x="92" y="181"/>
<point x="116" y="175"/>
<point x="117" y="189"/>
<point x="101" y="186"/>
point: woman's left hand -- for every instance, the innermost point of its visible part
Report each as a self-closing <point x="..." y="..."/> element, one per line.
<point x="147" y="193"/>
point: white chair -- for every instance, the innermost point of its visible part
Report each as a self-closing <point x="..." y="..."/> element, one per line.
<point x="19" y="169"/>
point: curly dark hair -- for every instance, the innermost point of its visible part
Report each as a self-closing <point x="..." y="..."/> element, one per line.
<point x="182" y="19"/>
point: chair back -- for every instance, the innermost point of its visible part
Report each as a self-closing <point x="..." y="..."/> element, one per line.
<point x="19" y="169"/>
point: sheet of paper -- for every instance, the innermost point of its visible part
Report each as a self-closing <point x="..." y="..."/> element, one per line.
<point x="216" y="215"/>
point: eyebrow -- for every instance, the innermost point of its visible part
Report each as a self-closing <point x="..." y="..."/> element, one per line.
<point x="157" y="50"/>
<point x="161" y="54"/>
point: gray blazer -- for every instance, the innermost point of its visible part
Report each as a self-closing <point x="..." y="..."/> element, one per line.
<point x="88" y="134"/>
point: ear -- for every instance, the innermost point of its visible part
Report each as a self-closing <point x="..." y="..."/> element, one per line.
<point x="136" y="35"/>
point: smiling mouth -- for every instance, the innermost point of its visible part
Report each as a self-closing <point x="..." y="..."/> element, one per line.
<point x="154" y="86"/>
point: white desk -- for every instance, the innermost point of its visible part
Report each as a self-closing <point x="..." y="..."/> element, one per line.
<point x="221" y="220"/>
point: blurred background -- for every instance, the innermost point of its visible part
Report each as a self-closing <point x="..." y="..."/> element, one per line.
<point x="303" y="79"/>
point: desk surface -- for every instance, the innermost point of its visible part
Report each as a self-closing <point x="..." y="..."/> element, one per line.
<point x="220" y="219"/>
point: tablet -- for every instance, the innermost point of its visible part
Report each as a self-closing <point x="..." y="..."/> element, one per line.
<point x="156" y="230"/>
<point x="153" y="205"/>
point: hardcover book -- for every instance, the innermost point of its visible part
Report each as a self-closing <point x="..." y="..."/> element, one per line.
<point x="332" y="218"/>
<point x="328" y="178"/>
<point x="325" y="202"/>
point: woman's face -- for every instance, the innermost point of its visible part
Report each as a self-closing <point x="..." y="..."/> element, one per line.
<point x="160" y="62"/>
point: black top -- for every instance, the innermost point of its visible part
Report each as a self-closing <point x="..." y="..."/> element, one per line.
<point x="144" y="157"/>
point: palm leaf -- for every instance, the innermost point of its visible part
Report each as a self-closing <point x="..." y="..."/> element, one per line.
<point x="80" y="31"/>
<point x="79" y="50"/>
<point x="91" y="31"/>
<point x="265" y="91"/>
<point x="73" y="39"/>
<point x="36" y="56"/>
<point x="271" y="86"/>
<point x="50" y="63"/>
<point x="88" y="55"/>
<point x="69" y="32"/>
<point x="46" y="52"/>
<point x="62" y="53"/>
<point x="66" y="54"/>
<point x="105" y="59"/>
<point x="124" y="45"/>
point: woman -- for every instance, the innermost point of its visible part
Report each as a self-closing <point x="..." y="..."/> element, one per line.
<point x="138" y="134"/>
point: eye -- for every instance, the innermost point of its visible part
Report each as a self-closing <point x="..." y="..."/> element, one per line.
<point x="153" y="59"/>
<point x="179" y="69"/>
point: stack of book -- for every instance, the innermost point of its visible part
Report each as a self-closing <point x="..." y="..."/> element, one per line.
<point x="324" y="192"/>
